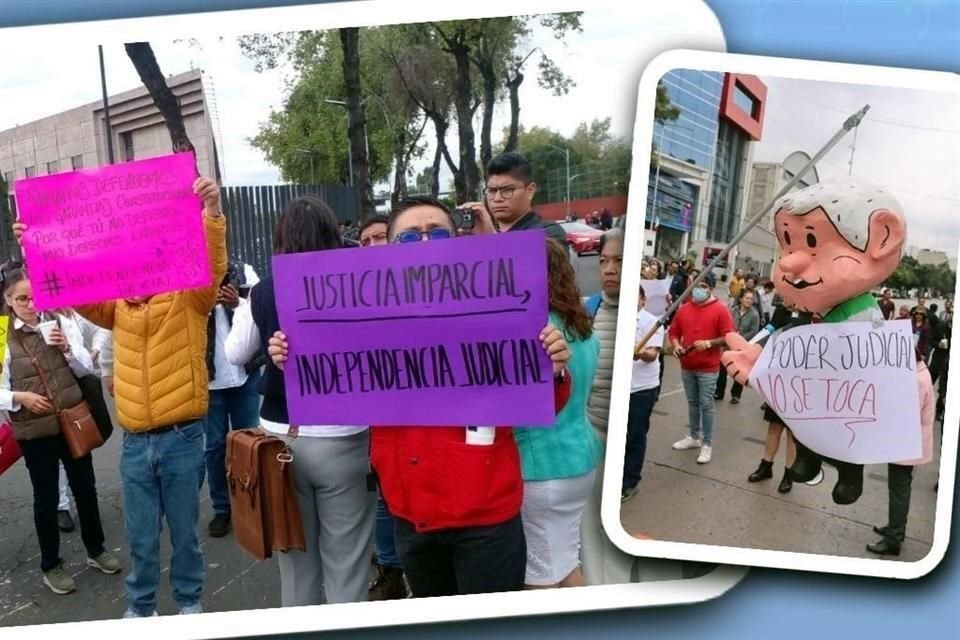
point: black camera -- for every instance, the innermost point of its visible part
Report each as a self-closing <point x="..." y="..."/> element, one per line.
<point x="464" y="219"/>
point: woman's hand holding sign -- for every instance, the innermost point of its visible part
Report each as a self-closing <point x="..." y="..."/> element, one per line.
<point x="556" y="347"/>
<point x="278" y="349"/>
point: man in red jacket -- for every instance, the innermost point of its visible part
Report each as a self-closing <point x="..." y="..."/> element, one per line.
<point x="454" y="492"/>
<point x="696" y="334"/>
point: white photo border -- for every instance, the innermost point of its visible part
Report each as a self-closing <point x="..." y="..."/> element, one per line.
<point x="934" y="81"/>
<point x="693" y="14"/>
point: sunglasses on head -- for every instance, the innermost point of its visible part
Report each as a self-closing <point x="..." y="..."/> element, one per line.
<point x="412" y="235"/>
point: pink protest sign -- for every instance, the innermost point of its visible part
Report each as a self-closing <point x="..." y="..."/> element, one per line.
<point x="120" y="231"/>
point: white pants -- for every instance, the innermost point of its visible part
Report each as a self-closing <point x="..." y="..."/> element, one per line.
<point x="64" y="498"/>
<point x="602" y="561"/>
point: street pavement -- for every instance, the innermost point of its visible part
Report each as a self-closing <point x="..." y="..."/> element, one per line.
<point x="682" y="501"/>
<point x="235" y="579"/>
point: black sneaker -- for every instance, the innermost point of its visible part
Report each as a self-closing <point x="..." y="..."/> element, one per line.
<point x="65" y="521"/>
<point x="220" y="525"/>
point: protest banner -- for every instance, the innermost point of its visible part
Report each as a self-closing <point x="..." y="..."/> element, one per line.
<point x="444" y="332"/>
<point x="847" y="391"/>
<point x="656" y="292"/>
<point x="119" y="231"/>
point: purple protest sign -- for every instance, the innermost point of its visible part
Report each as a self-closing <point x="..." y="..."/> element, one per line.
<point x="119" y="231"/>
<point x="444" y="332"/>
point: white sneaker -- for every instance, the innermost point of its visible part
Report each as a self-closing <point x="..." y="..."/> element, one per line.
<point x="706" y="452"/>
<point x="688" y="442"/>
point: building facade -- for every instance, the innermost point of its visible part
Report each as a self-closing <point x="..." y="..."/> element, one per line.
<point x="758" y="249"/>
<point x="77" y="139"/>
<point x="697" y="193"/>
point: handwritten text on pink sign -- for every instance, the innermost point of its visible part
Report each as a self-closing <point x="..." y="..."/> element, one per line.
<point x="119" y="231"/>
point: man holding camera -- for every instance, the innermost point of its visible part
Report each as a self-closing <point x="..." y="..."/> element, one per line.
<point x="509" y="198"/>
<point x="234" y="401"/>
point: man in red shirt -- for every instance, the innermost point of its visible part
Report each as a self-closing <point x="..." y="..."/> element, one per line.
<point x="696" y="334"/>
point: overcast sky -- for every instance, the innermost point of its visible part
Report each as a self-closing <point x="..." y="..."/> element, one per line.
<point x="605" y="61"/>
<point x="909" y="143"/>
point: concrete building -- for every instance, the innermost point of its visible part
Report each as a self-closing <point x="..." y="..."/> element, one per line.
<point x="696" y="193"/>
<point x="932" y="257"/>
<point x="76" y="139"/>
<point x="757" y="251"/>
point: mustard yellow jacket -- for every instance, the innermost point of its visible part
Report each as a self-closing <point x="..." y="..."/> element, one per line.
<point x="160" y="370"/>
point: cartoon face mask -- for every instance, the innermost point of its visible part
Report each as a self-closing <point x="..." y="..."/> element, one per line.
<point x="837" y="241"/>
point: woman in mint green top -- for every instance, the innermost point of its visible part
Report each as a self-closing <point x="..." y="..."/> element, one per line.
<point x="559" y="463"/>
<point x="570" y="447"/>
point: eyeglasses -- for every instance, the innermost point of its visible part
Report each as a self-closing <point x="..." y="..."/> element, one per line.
<point x="412" y="235"/>
<point x="379" y="237"/>
<point x="505" y="192"/>
<point x="23" y="300"/>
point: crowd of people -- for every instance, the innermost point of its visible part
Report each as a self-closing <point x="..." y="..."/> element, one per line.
<point x="695" y="336"/>
<point x="444" y="510"/>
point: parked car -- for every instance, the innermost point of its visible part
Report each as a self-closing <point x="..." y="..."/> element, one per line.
<point x="582" y="238"/>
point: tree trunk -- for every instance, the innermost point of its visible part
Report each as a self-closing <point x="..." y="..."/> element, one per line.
<point x="357" y="132"/>
<point x="513" y="85"/>
<point x="440" y="126"/>
<point x="489" y="102"/>
<point x="400" y="172"/>
<point x="145" y="62"/>
<point x="403" y="151"/>
<point x="467" y="180"/>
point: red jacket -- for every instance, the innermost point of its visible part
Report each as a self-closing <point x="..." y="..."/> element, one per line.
<point x="701" y="322"/>
<point x="430" y="477"/>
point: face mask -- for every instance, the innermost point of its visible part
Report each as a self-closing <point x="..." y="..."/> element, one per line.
<point x="700" y="295"/>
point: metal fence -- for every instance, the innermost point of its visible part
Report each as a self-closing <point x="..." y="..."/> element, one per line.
<point x="252" y="214"/>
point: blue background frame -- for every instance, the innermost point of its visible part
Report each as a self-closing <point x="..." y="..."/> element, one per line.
<point x="771" y="604"/>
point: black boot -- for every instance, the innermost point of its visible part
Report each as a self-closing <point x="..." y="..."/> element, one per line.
<point x="787" y="483"/>
<point x="807" y="465"/>
<point x="849" y="482"/>
<point x="884" y="548"/>
<point x="763" y="472"/>
<point x="388" y="585"/>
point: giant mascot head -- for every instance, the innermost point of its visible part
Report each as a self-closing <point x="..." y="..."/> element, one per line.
<point x="837" y="240"/>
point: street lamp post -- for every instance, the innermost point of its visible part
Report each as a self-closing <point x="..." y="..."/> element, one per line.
<point x="566" y="155"/>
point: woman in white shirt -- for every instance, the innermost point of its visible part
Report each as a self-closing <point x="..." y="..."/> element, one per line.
<point x="32" y="361"/>
<point x="644" y="390"/>
<point x="330" y="463"/>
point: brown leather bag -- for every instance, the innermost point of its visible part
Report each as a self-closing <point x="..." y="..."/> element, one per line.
<point x="263" y="502"/>
<point x="77" y="425"/>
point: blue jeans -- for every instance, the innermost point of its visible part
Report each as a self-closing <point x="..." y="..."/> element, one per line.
<point x="161" y="479"/>
<point x="236" y="408"/>
<point x="638" y="424"/>
<point x="700" y="389"/>
<point x="383" y="537"/>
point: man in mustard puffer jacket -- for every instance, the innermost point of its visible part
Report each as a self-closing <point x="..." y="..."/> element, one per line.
<point x="160" y="388"/>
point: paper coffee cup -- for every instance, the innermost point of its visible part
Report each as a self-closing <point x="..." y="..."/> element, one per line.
<point x="45" y="328"/>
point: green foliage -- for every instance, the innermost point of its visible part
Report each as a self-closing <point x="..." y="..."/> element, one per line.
<point x="910" y="274"/>
<point x="663" y="110"/>
<point x="599" y="162"/>
<point x="318" y="129"/>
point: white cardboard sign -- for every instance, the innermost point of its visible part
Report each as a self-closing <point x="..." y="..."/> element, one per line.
<point x="847" y="391"/>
